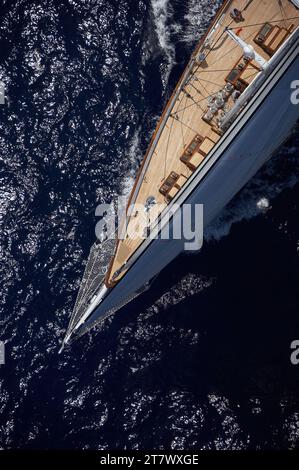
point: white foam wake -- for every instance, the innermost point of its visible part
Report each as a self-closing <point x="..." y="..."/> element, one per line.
<point x="164" y="26"/>
<point x="134" y="156"/>
<point x="198" y="16"/>
<point x="162" y="12"/>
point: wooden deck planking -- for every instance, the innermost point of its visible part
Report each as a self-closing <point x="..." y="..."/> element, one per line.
<point x="206" y="81"/>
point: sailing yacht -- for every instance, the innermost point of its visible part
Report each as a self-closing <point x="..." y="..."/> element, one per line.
<point x="230" y="111"/>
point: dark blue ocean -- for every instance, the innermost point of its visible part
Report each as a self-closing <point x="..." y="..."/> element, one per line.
<point x="202" y="359"/>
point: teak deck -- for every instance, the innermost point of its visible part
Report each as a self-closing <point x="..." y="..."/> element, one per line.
<point x="186" y="121"/>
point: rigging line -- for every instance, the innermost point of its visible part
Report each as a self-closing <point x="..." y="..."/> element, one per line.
<point x="186" y="96"/>
<point x="192" y="73"/>
<point x="190" y="105"/>
<point x="199" y="101"/>
<point x="181" y="126"/>
<point x="211" y="82"/>
<point x="194" y="102"/>
<point x="90" y="271"/>
<point x="216" y="70"/>
<point x="246" y="26"/>
<point x="211" y="48"/>
<point x="87" y="288"/>
<point x="210" y="51"/>
<point x="201" y="94"/>
<point x="282" y="13"/>
<point x="223" y="32"/>
<point x="215" y="93"/>
<point x="166" y="151"/>
<point x="220" y="37"/>
<point x="230" y="23"/>
<point x="174" y="115"/>
<point x="270" y="20"/>
<point x="204" y="96"/>
<point x="247" y="37"/>
<point x="221" y="86"/>
<point x="234" y="47"/>
<point x="91" y="290"/>
<point x="168" y="140"/>
<point x="192" y="99"/>
<point x="205" y="90"/>
<point x="216" y="41"/>
<point x="186" y="125"/>
<point x="96" y="255"/>
<point x="217" y="84"/>
<point x="194" y="87"/>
